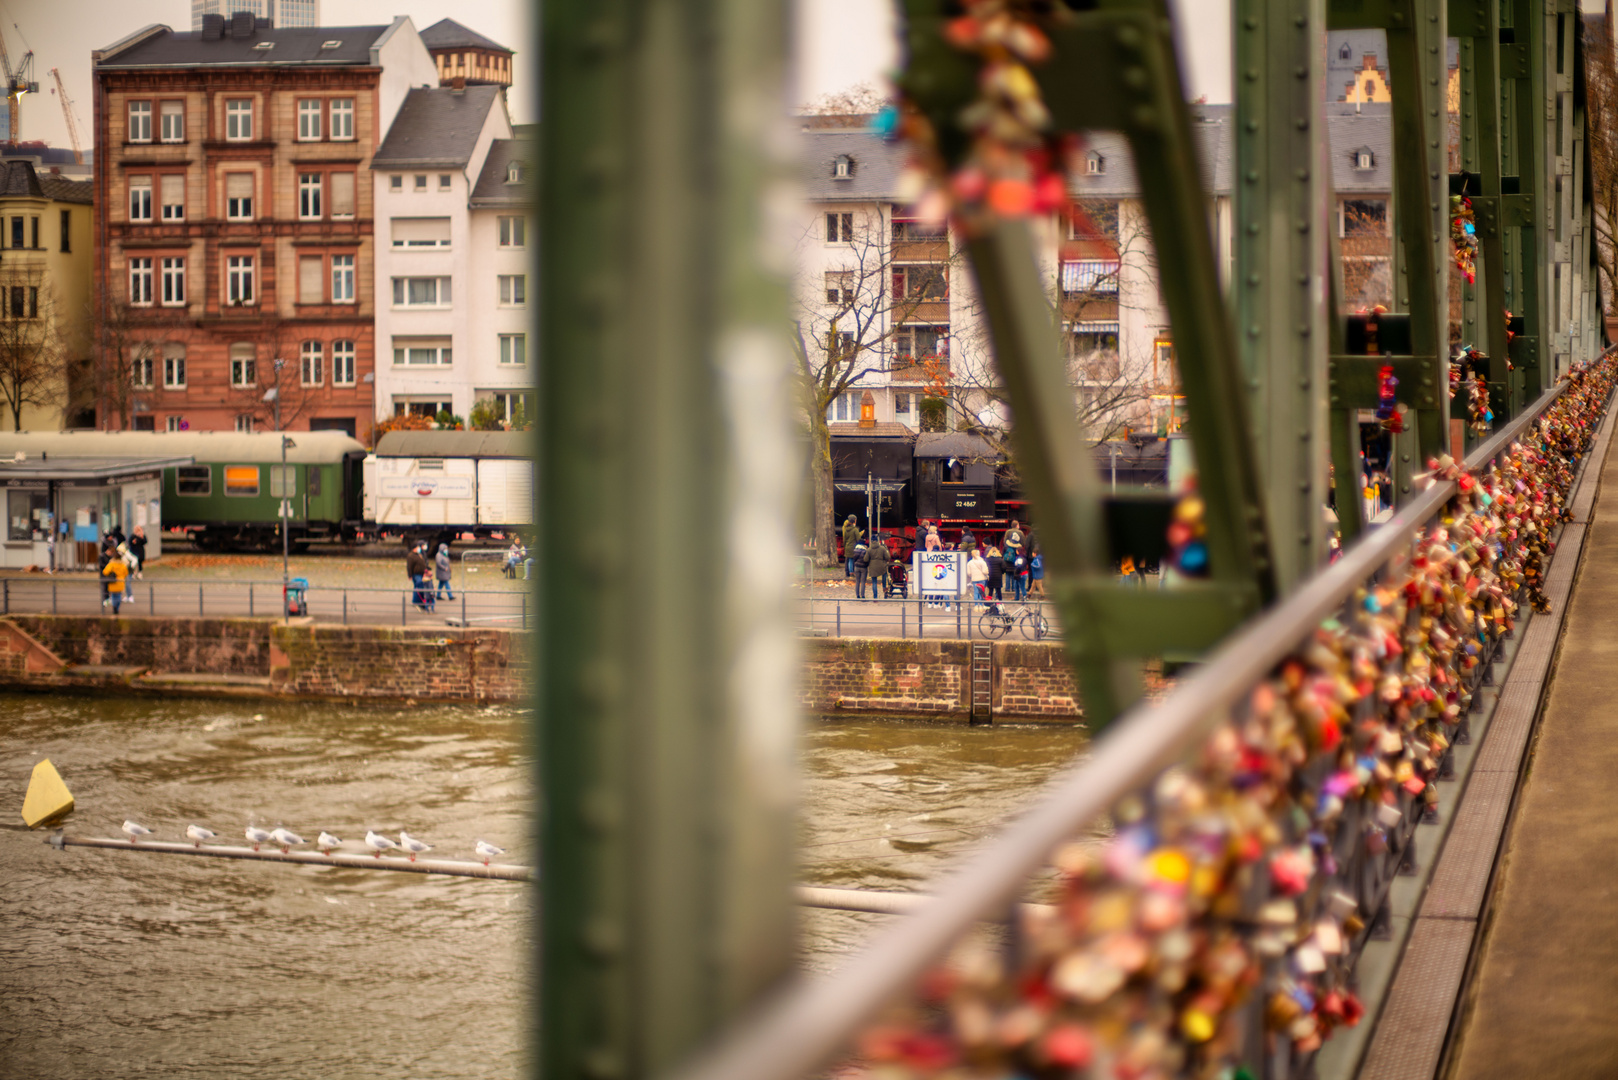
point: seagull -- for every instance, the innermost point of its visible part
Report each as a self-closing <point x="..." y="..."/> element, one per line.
<point x="327" y="842"/>
<point x="487" y="851"/>
<point x="135" y="832"/>
<point x="257" y="836"/>
<point x="412" y="845"/>
<point x="378" y="843"/>
<point x="199" y="834"/>
<point x="286" y="838"/>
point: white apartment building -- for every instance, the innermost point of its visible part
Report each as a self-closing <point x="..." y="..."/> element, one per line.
<point x="442" y="333"/>
<point x="503" y="241"/>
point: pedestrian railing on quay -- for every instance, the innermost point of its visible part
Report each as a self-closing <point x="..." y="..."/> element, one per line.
<point x="1263" y="809"/>
<point x="945" y="618"/>
<point x="69" y="593"/>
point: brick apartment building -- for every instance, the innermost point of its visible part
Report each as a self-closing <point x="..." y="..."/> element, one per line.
<point x="236" y="223"/>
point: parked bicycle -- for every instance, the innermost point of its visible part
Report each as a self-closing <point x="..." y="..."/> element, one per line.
<point x="996" y="622"/>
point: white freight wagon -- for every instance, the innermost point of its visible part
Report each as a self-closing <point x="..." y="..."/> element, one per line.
<point x="439" y="484"/>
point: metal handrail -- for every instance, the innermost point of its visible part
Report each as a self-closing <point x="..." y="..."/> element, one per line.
<point x="809" y="1022"/>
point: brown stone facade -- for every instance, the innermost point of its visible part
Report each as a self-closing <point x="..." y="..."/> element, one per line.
<point x="235" y="224"/>
<point x="842" y="676"/>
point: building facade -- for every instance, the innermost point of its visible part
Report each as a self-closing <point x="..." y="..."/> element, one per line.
<point x="504" y="240"/>
<point x="235" y="247"/>
<point x="283" y="13"/>
<point x="45" y="285"/>
<point x="443" y="294"/>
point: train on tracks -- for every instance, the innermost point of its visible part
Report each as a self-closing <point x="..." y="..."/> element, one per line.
<point x="439" y="486"/>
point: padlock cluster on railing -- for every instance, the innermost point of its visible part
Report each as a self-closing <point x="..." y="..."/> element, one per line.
<point x="1220" y="924"/>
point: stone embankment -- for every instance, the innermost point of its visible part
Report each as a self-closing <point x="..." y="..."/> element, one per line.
<point x="262" y="658"/>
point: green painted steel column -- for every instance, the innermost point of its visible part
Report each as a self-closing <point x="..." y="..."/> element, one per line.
<point x="665" y="732"/>
<point x="1282" y="181"/>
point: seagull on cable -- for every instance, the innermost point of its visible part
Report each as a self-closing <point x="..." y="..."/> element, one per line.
<point x="257" y="836"/>
<point x="286" y="838"/>
<point x="135" y="832"/>
<point x="378" y="843"/>
<point x="487" y="851"/>
<point x="412" y="845"/>
<point x="328" y="841"/>
<point x="198" y="834"/>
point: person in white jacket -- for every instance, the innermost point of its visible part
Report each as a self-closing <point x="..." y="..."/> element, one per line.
<point x="977" y="575"/>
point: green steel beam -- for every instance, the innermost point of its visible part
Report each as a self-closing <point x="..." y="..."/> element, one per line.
<point x="1282" y="198"/>
<point x="1524" y="61"/>
<point x="665" y="731"/>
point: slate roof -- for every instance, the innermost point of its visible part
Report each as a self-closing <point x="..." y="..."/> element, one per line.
<point x="435" y="126"/>
<point x="877" y="164"/>
<point x="62" y="189"/>
<point x="292" y="45"/>
<point x="449" y="34"/>
<point x="456" y="444"/>
<point x="491" y="188"/>
<point x="1341" y="70"/>
<point x="18" y="181"/>
<point x="882" y="429"/>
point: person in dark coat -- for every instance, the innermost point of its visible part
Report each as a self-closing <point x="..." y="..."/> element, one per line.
<point x="851" y="536"/>
<point x="879" y="559"/>
<point x="416" y="567"/>
<point x="442" y="565"/>
<point x="997" y="570"/>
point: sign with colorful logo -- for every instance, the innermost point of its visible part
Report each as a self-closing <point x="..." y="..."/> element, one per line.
<point x="939" y="573"/>
<point x="425" y="487"/>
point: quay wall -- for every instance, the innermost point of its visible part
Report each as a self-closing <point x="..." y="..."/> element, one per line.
<point x="1030" y="681"/>
<point x="263" y="657"/>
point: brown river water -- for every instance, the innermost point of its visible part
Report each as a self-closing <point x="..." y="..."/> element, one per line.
<point x="115" y="964"/>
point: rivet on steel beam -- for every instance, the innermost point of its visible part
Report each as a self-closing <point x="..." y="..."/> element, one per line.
<point x="1303" y="384"/>
<point x="1302" y="174"/>
<point x="1303" y="279"/>
<point x="1128" y="37"/>
<point x="1252" y="279"/>
<point x="601" y="1064"/>
<point x="1300" y="22"/>
<point x="1252" y="229"/>
<point x="602" y="939"/>
<point x="1252" y="331"/>
<point x="1303" y="331"/>
<point x="1335" y="399"/>
<point x="1252" y="176"/>
<point x="1303" y="485"/>
<point x="1144" y="116"/>
<point x="1303" y="123"/>
<point x="1135" y="77"/>
<point x="1301" y="72"/>
<point x="1253" y="384"/>
<point x="1303" y="226"/>
<point x="1303" y="538"/>
<point x="1250" y="22"/>
<point x="1251" y="74"/>
<point x="1252" y="125"/>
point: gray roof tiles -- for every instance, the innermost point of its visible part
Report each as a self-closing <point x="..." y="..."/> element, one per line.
<point x="492" y="188"/>
<point x="435" y="126"/>
<point x="291" y="45"/>
<point x="64" y="190"/>
<point x="449" y="34"/>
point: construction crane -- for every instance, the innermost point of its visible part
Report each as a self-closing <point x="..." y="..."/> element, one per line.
<point x="67" y="111"/>
<point x="19" y="81"/>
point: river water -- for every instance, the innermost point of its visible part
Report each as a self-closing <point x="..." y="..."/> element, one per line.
<point x="115" y="964"/>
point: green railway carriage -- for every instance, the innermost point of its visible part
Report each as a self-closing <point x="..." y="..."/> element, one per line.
<point x="230" y="496"/>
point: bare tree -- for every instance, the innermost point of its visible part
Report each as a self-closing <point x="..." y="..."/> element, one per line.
<point x="296" y="390"/>
<point x="33" y="366"/>
<point x="880" y="302"/>
<point x="130" y="350"/>
<point x="1601" y="113"/>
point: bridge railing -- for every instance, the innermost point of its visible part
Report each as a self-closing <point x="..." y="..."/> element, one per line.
<point x="1260" y="811"/>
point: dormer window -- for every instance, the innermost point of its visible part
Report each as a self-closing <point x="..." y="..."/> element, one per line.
<point x="265" y="46"/>
<point x="1095" y="164"/>
<point x="514" y="173"/>
<point x="1346" y="52"/>
<point x="1364" y="158"/>
<point x="331" y="44"/>
<point x="842" y="167"/>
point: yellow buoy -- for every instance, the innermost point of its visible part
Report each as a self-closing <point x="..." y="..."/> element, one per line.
<point x="48" y="800"/>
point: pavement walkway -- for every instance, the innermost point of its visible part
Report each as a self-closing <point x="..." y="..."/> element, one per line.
<point x="1546" y="984"/>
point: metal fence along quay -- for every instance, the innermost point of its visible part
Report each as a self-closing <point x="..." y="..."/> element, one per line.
<point x="79" y="594"/>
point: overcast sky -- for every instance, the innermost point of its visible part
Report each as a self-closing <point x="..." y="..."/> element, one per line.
<point x="62" y="33"/>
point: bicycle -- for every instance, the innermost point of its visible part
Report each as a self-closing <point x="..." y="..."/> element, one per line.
<point x="996" y="622"/>
<point x="1033" y="624"/>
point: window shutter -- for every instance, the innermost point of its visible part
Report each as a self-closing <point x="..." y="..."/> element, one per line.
<point x="342" y="195"/>
<point x="309" y="280"/>
<point x="425" y="232"/>
<point x="238" y="185"/>
<point x="173" y="189"/>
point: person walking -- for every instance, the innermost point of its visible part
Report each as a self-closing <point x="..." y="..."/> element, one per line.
<point x="851" y="536"/>
<point x="878" y="560"/>
<point x="977" y="575"/>
<point x="442" y="565"/>
<point x="1036" y="575"/>
<point x="416" y="567"/>
<point x="114" y="571"/>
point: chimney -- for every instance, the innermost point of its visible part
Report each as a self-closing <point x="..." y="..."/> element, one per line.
<point x="213" y="27"/>
<point x="242" y="24"/>
<point x="458" y="84"/>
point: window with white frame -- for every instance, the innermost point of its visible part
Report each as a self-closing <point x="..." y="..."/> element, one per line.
<point x="408" y="233"/>
<point x="311" y="279"/>
<point x="312" y="364"/>
<point x="243" y="365"/>
<point x="309" y="120"/>
<point x="421" y="292"/>
<point x="239" y="279"/>
<point x="514" y="349"/>
<point x="839" y="286"/>
<point x="513" y="232"/>
<point x="171" y="121"/>
<point x="902" y="409"/>
<point x="342" y="118"/>
<point x="342" y="196"/>
<point x="342" y="279"/>
<point x="1090" y="277"/>
<point x="174" y="423"/>
<point x="244" y="424"/>
<point x="140" y="198"/>
<point x="239" y="119"/>
<point x="514" y="173"/>
<point x="239" y="196"/>
<point x="140" y="281"/>
<point x="844" y="407"/>
<point x="512" y="406"/>
<point x="171" y="193"/>
<point x="174" y="366"/>
<point x="140" y="121"/>
<point x="514" y="290"/>
<point x="141" y="365"/>
<point x="920" y="344"/>
<point x="342" y="363"/>
<point x="310" y="186"/>
<point x="839" y="228"/>
<point x="173" y="282"/>
<point x="421" y="352"/>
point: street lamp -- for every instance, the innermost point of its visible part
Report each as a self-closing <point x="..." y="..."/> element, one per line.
<point x="273" y="394"/>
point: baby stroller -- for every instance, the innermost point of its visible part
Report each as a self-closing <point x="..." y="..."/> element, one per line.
<point x="898" y="580"/>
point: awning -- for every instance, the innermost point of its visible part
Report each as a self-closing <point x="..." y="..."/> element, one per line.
<point x="886" y="487"/>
